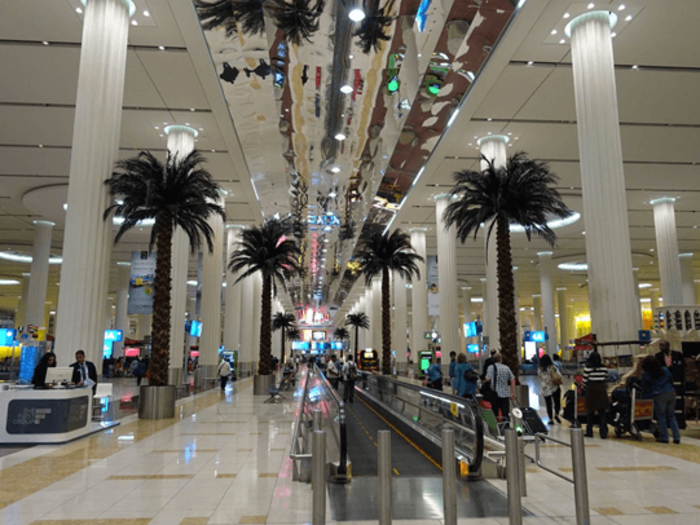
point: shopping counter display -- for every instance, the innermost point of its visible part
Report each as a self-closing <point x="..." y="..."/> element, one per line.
<point x="50" y="416"/>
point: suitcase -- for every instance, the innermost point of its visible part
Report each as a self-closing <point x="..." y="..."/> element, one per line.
<point x="532" y="422"/>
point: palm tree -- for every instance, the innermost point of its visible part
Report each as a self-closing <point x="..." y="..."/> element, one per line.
<point x="179" y="193"/>
<point x="379" y="255"/>
<point x="283" y="321"/>
<point x="357" y="320"/>
<point x="519" y="193"/>
<point x="341" y="334"/>
<point x="266" y="249"/>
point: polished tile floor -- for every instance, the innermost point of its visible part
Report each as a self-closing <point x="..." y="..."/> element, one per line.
<point x="225" y="461"/>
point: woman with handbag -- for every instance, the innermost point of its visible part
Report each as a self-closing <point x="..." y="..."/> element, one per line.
<point x="550" y="387"/>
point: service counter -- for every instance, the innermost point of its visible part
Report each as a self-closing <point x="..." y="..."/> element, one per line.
<point x="51" y="416"/>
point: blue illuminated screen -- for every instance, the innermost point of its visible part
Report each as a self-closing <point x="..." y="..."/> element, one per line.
<point x="196" y="329"/>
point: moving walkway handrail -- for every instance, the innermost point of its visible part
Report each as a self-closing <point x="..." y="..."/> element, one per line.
<point x="465" y="404"/>
<point x="343" y="438"/>
<point x="293" y="454"/>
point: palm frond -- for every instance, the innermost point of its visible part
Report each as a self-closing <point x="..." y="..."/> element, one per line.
<point x="297" y="19"/>
<point x="393" y="252"/>
<point x="374" y="29"/>
<point x="227" y="13"/>
<point x="341" y="334"/>
<point x="357" y="320"/>
<point x="283" y="321"/>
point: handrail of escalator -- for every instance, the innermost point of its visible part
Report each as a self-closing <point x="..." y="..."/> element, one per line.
<point x="343" y="438"/>
<point x="293" y="453"/>
<point x="468" y="405"/>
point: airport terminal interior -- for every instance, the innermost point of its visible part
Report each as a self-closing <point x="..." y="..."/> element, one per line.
<point x="349" y="262"/>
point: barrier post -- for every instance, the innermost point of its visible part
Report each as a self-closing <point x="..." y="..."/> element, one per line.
<point x="515" y="510"/>
<point x="318" y="477"/>
<point x="384" y="477"/>
<point x="578" y="460"/>
<point x="449" y="477"/>
<point x="521" y="466"/>
<point x="343" y="467"/>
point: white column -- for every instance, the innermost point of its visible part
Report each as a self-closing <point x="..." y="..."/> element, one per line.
<point x="109" y="311"/>
<point x="377" y="315"/>
<point x="467" y="304"/>
<point x="547" y="293"/>
<point x="180" y="144"/>
<point x="613" y="312"/>
<point x="419" y="296"/>
<point x="96" y="131"/>
<point x="493" y="147"/>
<point x="39" y="273"/>
<point x="688" y="278"/>
<point x="246" y="338"/>
<point x="21" y="319"/>
<point x="144" y="326"/>
<point x="667" y="249"/>
<point x="448" y="324"/>
<point x="212" y="283"/>
<point x="563" y="327"/>
<point x="257" y="310"/>
<point x="635" y="279"/>
<point x="537" y="312"/>
<point x="399" y="339"/>
<point x="232" y="304"/>
<point x="121" y="317"/>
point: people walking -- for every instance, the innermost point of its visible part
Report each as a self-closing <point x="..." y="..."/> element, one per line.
<point x="502" y="382"/>
<point x="550" y="387"/>
<point x="595" y="376"/>
<point x="224" y="370"/>
<point x="465" y="378"/>
<point x="349" y="377"/>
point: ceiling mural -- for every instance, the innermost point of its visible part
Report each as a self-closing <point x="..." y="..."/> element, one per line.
<point x="338" y="105"/>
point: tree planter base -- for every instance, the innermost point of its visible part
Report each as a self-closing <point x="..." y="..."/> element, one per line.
<point x="157" y="402"/>
<point x="262" y="384"/>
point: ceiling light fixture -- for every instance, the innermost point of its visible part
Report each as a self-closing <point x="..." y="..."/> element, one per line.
<point x="530" y="63"/>
<point x="554" y="31"/>
<point x="335" y="169"/>
<point x="347" y="89"/>
<point x="146" y="13"/>
<point x="45" y="43"/>
<point x="340" y="136"/>
<point x="79" y="10"/>
<point x="628" y="18"/>
<point x="621" y="8"/>
<point x="8" y="282"/>
<point x="566" y="15"/>
<point x="356" y="15"/>
<point x="16" y="257"/>
<point x="591" y="5"/>
<point x="134" y="23"/>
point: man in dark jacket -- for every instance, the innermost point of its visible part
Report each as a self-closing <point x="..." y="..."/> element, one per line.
<point x="673" y="360"/>
<point x="83" y="370"/>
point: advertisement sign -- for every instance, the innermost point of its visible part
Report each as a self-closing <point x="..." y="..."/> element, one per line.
<point x="143" y="272"/>
<point x="433" y="286"/>
<point x="46" y="416"/>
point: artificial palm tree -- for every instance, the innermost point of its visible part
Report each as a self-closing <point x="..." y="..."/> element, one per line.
<point x="357" y="320"/>
<point x="379" y="255"/>
<point x="521" y="193"/>
<point x="341" y="334"/>
<point x="267" y="249"/>
<point x="283" y="321"/>
<point x="179" y="193"/>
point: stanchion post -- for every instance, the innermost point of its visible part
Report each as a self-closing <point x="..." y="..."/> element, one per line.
<point x="449" y="477"/>
<point x="521" y="466"/>
<point x="318" y="477"/>
<point x="317" y="419"/>
<point x="385" y="498"/>
<point x="515" y="510"/>
<point x="343" y="467"/>
<point x="578" y="460"/>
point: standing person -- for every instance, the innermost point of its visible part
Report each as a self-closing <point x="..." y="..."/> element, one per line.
<point x="595" y="376"/>
<point x="333" y="372"/>
<point x="435" y="374"/>
<point x="465" y="378"/>
<point x="224" y="370"/>
<point x="349" y="377"/>
<point x="502" y="382"/>
<point x="83" y="370"/>
<point x="489" y="361"/>
<point x="550" y="387"/>
<point x="138" y="370"/>
<point x="558" y="363"/>
<point x="658" y="381"/>
<point x="48" y="360"/>
<point x="453" y="364"/>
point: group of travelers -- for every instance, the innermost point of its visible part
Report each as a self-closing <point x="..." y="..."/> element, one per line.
<point x="337" y="371"/>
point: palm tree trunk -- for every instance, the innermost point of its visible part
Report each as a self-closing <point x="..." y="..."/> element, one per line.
<point x="284" y="332"/>
<point x="160" y="350"/>
<point x="357" y="335"/>
<point x="506" y="299"/>
<point x="265" y="328"/>
<point x="386" y="323"/>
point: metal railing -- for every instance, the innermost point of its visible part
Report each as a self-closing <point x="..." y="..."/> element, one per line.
<point x="428" y="411"/>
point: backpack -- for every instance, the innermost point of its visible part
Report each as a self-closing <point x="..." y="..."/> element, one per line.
<point x="471" y="376"/>
<point x="555" y="376"/>
<point x="352" y="372"/>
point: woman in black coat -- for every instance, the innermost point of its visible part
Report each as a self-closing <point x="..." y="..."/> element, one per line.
<point x="47" y="361"/>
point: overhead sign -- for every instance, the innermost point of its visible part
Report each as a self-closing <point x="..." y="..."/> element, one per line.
<point x="537" y="337"/>
<point x="143" y="273"/>
<point x="114" y="335"/>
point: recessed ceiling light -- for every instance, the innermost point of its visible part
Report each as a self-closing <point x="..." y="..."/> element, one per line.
<point x="41" y="145"/>
<point x="162" y="48"/>
<point x="45" y="43"/>
<point x="591" y="5"/>
<point x="191" y="109"/>
<point x="347" y="89"/>
<point x="420" y="55"/>
<point x="621" y="8"/>
<point x="628" y="18"/>
<point x="489" y="119"/>
<point x="79" y="10"/>
<point x="351" y="57"/>
<point x="340" y="136"/>
<point x="530" y="63"/>
<point x="335" y="169"/>
<point x="356" y="15"/>
<point x="613" y="35"/>
<point x="567" y="15"/>
<point x="187" y="123"/>
<point x="635" y="67"/>
<point x="562" y="41"/>
<point x="651" y="249"/>
<point x="134" y="23"/>
<point x="554" y="31"/>
<point x="146" y="13"/>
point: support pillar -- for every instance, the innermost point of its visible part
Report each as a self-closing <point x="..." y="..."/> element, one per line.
<point x="121" y="316"/>
<point x="257" y="310"/>
<point x="608" y="250"/>
<point x="21" y="319"/>
<point x="400" y="323"/>
<point x="246" y="338"/>
<point x="377" y="315"/>
<point x="96" y="131"/>
<point x="667" y="250"/>
<point x="563" y="326"/>
<point x="39" y="273"/>
<point x="635" y="279"/>
<point x="232" y="304"/>
<point x="537" y="312"/>
<point x="419" y="296"/>
<point x="448" y="324"/>
<point x="688" y="278"/>
<point x="547" y="293"/>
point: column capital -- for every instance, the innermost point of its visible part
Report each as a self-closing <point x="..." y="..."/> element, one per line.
<point x="235" y="226"/>
<point x="122" y="263"/>
<point x="44" y="223"/>
<point x="662" y="200"/>
<point x="128" y="3"/>
<point x="688" y="255"/>
<point x="176" y="128"/>
<point x="545" y="254"/>
<point x="505" y="139"/>
<point x="607" y="16"/>
<point x="411" y="230"/>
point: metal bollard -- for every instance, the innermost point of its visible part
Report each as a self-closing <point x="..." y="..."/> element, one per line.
<point x="521" y="466"/>
<point x="318" y="477"/>
<point x="578" y="460"/>
<point x="515" y="510"/>
<point x="384" y="477"/>
<point x="449" y="477"/>
<point x="317" y="419"/>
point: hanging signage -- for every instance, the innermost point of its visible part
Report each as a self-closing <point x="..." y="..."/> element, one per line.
<point x="537" y="337"/>
<point x="143" y="272"/>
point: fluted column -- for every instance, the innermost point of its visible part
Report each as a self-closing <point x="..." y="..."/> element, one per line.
<point x="608" y="250"/>
<point x="419" y="296"/>
<point x="688" y="278"/>
<point x="212" y="283"/>
<point x="246" y="338"/>
<point x="537" y="312"/>
<point x="635" y="279"/>
<point x="467" y="304"/>
<point x="257" y="310"/>
<point x="448" y="324"/>
<point x="121" y="315"/>
<point x="667" y="249"/>
<point x="484" y="311"/>
<point x="96" y="131"/>
<point x="400" y="322"/>
<point x="493" y="147"/>
<point x="232" y="304"/>
<point x="377" y="315"/>
<point x="39" y="273"/>
<point x="563" y="328"/>
<point x="547" y="293"/>
<point x="21" y="319"/>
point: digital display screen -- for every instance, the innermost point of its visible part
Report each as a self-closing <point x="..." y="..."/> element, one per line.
<point x="318" y="335"/>
<point x="473" y="349"/>
<point x="196" y="329"/>
<point x="320" y="346"/>
<point x="337" y="345"/>
<point x="7" y="336"/>
<point x="471" y="329"/>
<point x="300" y="345"/>
<point x="114" y="335"/>
<point x="306" y="334"/>
<point x="132" y="352"/>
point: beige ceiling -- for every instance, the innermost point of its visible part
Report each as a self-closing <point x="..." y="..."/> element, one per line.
<point x="659" y="111"/>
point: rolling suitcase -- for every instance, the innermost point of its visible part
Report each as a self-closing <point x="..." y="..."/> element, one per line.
<point x="532" y="422"/>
